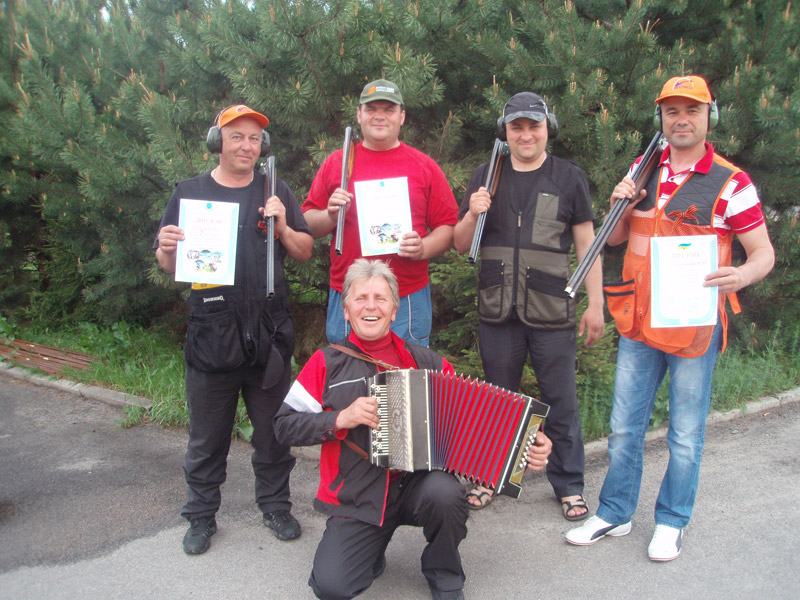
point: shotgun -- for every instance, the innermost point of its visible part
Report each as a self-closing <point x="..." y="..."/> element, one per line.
<point x="348" y="156"/>
<point x="492" y="179"/>
<point x="269" y="190"/>
<point x="640" y="175"/>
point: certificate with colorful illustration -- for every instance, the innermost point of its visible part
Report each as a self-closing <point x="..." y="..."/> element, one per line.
<point x="384" y="214"/>
<point x="207" y="255"/>
<point x="678" y="267"/>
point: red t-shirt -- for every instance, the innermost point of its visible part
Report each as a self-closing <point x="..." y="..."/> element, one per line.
<point x="432" y="205"/>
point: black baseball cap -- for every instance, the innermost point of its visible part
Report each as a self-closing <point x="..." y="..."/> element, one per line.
<point x="525" y="105"/>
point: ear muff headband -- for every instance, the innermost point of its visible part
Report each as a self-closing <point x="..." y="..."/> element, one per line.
<point x="552" y="123"/>
<point x="713" y="116"/>
<point x="214" y="137"/>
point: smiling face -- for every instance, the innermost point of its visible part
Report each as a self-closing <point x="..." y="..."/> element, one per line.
<point x="370" y="308"/>
<point x="527" y="141"/>
<point x="685" y="122"/>
<point x="380" y="123"/>
<point x="241" y="146"/>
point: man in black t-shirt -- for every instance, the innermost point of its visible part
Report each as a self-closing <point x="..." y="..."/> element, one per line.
<point x="238" y="340"/>
<point x="540" y="209"/>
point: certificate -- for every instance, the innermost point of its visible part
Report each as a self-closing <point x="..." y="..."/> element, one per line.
<point x="208" y="253"/>
<point x="384" y="214"/>
<point x="677" y="266"/>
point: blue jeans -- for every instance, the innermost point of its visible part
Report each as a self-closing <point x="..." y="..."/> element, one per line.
<point x="413" y="322"/>
<point x="640" y="371"/>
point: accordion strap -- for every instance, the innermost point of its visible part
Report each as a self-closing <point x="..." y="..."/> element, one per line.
<point x="356" y="448"/>
<point x="364" y="356"/>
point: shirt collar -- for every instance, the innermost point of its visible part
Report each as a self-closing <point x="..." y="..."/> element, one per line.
<point x="701" y="166"/>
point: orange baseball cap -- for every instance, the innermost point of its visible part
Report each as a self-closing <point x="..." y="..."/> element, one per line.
<point x="687" y="86"/>
<point x="240" y="110"/>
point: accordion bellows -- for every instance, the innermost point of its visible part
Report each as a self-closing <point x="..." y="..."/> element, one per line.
<point x="430" y="420"/>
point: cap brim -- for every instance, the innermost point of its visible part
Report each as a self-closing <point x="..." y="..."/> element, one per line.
<point x="380" y="97"/>
<point x="525" y="114"/>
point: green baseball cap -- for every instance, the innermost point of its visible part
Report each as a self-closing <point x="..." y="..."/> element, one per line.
<point x="381" y="89"/>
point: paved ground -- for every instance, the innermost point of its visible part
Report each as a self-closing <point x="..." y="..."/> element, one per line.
<point x="90" y="510"/>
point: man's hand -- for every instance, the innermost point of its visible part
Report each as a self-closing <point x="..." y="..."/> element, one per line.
<point x="275" y="208"/>
<point x="168" y="239"/>
<point x="340" y="200"/>
<point x="593" y="323"/>
<point x="411" y="246"/>
<point x="626" y="189"/>
<point x="363" y="411"/>
<point x="538" y="453"/>
<point x="479" y="202"/>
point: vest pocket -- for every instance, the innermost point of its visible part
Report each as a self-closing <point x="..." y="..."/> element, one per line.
<point x="212" y="342"/>
<point x="490" y="289"/>
<point x="546" y="302"/>
<point x="621" y="301"/>
<point x="547" y="229"/>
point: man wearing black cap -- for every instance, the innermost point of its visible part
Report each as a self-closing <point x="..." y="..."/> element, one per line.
<point x="541" y="207"/>
<point x="382" y="158"/>
<point x="238" y="341"/>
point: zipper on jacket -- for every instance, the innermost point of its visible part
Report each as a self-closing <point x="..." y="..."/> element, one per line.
<point x="516" y="259"/>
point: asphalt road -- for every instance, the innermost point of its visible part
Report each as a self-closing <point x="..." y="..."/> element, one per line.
<point x="90" y="510"/>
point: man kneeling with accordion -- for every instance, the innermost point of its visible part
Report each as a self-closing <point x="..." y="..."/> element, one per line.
<point x="333" y="403"/>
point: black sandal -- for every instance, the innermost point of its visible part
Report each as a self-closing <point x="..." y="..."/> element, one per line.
<point x="567" y="505"/>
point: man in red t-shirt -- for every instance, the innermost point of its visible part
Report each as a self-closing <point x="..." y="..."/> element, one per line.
<point x="385" y="172"/>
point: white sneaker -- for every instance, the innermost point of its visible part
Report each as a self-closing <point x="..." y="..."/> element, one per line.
<point x="594" y="530"/>
<point x="666" y="543"/>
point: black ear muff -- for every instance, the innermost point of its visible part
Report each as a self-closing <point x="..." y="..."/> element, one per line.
<point x="501" y="130"/>
<point x="552" y="124"/>
<point x="264" y="143"/>
<point x="214" y="140"/>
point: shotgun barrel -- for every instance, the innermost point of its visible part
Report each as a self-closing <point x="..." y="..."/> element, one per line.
<point x="640" y="175"/>
<point x="492" y="179"/>
<point x="269" y="191"/>
<point x="348" y="155"/>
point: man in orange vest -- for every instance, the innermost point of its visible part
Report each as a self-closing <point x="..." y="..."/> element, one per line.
<point x="692" y="192"/>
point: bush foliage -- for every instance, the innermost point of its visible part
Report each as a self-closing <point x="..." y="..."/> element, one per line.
<point x="105" y="105"/>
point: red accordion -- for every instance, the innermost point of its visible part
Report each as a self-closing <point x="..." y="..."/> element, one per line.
<point x="430" y="420"/>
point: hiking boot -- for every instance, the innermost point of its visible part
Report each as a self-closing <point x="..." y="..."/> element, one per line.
<point x="283" y="524"/>
<point x="198" y="537"/>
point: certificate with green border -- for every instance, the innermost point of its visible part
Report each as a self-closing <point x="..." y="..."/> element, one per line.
<point x="208" y="253"/>
<point x="678" y="266"/>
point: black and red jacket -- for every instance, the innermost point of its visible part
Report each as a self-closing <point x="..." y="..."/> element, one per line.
<point x="350" y="486"/>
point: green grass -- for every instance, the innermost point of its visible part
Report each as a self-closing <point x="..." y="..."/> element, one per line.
<point x="149" y="363"/>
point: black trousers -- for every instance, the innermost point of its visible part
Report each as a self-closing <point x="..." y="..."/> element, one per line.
<point x="349" y="549"/>
<point x="212" y="399"/>
<point x="504" y="348"/>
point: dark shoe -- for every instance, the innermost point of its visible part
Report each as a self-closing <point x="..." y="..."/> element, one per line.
<point x="283" y="524"/>
<point x="379" y="567"/>
<point x="198" y="537"/>
<point x="454" y="595"/>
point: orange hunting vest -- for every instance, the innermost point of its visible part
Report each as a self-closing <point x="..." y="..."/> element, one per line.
<point x="688" y="211"/>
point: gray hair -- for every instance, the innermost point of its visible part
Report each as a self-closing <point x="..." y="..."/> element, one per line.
<point x="364" y="270"/>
